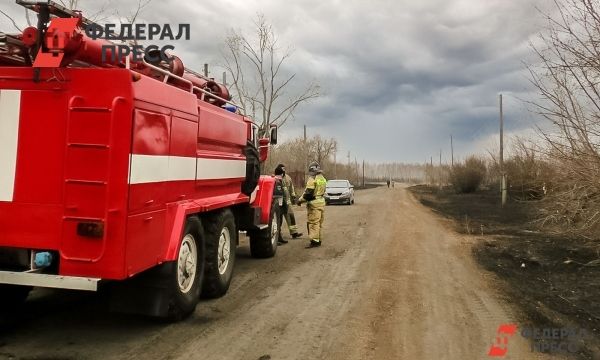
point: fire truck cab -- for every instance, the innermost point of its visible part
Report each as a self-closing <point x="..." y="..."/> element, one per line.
<point x="126" y="173"/>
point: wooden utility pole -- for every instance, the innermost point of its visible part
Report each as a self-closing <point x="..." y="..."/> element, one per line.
<point x="501" y="136"/>
<point x="431" y="175"/>
<point x="363" y="182"/>
<point x="440" y="169"/>
<point x="356" y="169"/>
<point x="335" y="161"/>
<point x="452" y="151"/>
<point x="305" y="156"/>
<point x="502" y="172"/>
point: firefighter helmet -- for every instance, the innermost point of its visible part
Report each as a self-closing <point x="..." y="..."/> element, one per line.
<point x="314" y="168"/>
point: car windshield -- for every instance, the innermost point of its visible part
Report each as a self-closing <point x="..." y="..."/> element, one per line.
<point x="337" y="184"/>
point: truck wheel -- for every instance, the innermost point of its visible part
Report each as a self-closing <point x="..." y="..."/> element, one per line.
<point x="221" y="241"/>
<point x="263" y="243"/>
<point x="187" y="271"/>
<point x="13" y="296"/>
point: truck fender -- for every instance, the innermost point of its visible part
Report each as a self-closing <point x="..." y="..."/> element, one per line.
<point x="175" y="221"/>
<point x="178" y="212"/>
<point x="264" y="197"/>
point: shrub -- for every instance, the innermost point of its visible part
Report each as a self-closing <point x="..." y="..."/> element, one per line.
<point x="528" y="178"/>
<point x="467" y="177"/>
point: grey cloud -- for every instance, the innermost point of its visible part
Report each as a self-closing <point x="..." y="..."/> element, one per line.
<point x="399" y="76"/>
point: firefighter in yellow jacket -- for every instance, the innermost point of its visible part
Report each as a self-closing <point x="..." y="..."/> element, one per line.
<point x="315" y="203"/>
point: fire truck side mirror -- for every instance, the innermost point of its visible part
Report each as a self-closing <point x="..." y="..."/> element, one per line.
<point x="263" y="149"/>
<point x="273" y="134"/>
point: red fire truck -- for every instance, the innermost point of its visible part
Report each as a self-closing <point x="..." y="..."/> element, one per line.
<point x="123" y="172"/>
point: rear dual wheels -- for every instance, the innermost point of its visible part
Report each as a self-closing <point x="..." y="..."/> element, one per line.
<point x="203" y="267"/>
<point x="205" y="262"/>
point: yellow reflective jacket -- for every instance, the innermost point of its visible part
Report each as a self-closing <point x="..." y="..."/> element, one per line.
<point x="317" y="184"/>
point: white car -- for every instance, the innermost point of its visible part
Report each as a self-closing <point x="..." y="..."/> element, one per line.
<point x="339" y="192"/>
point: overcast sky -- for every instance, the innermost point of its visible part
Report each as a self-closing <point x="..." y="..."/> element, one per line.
<point x="399" y="76"/>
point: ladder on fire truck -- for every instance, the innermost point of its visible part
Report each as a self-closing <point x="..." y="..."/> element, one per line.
<point x="93" y="145"/>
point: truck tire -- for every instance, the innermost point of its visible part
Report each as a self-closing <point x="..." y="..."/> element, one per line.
<point x="221" y="241"/>
<point x="263" y="243"/>
<point x="187" y="271"/>
<point x="252" y="169"/>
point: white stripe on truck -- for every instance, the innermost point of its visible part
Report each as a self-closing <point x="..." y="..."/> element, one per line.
<point x="145" y="169"/>
<point x="211" y="169"/>
<point x="10" y="108"/>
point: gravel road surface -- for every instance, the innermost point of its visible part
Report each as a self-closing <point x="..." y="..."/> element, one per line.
<point x="391" y="281"/>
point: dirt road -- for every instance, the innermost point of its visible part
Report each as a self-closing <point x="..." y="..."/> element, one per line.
<point x="390" y="282"/>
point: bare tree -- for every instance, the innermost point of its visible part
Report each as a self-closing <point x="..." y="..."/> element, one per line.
<point x="322" y="148"/>
<point x="12" y="20"/>
<point x="132" y="17"/>
<point x="256" y="67"/>
<point x="295" y="152"/>
<point x="568" y="78"/>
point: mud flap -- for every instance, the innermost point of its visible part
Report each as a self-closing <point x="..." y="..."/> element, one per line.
<point x="145" y="294"/>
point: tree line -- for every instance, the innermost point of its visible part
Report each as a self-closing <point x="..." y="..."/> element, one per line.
<point x="297" y="153"/>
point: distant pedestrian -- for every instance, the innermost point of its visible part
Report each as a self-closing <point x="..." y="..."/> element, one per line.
<point x="315" y="203"/>
<point x="289" y="199"/>
<point x="388" y="184"/>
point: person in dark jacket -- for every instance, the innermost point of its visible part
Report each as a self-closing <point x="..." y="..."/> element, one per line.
<point x="289" y="200"/>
